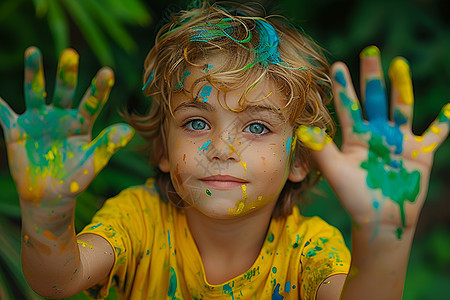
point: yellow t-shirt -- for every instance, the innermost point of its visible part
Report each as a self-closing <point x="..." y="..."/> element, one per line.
<point x="157" y="258"/>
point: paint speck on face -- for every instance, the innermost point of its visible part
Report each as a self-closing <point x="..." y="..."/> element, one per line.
<point x="205" y="146"/>
<point x="244" y="165"/>
<point x="85" y="172"/>
<point x="208" y="192"/>
<point x="205" y="92"/>
<point x="274" y="270"/>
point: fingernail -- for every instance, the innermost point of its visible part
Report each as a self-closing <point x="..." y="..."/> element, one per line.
<point x="400" y="76"/>
<point x="370" y="51"/>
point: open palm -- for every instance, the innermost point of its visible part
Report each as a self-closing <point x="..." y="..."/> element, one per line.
<point x="381" y="172"/>
<point x="50" y="151"/>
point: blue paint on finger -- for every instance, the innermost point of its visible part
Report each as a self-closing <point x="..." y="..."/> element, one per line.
<point x="376" y="102"/>
<point x="339" y="77"/>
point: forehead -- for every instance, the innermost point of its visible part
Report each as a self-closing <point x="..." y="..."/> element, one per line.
<point x="209" y="80"/>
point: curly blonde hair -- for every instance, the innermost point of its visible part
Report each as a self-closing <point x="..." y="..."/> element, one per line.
<point x="239" y="33"/>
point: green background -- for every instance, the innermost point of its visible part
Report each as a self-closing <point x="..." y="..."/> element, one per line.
<point x="119" y="33"/>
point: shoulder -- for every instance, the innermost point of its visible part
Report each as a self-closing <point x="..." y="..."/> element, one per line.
<point x="310" y="226"/>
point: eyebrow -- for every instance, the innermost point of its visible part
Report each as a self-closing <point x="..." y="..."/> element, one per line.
<point x="272" y="110"/>
<point x="250" y="109"/>
<point x="195" y="104"/>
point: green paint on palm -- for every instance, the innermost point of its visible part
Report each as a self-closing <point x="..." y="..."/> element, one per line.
<point x="395" y="183"/>
<point x="44" y="136"/>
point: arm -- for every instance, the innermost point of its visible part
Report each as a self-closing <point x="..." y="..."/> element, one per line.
<point x="52" y="160"/>
<point x="380" y="175"/>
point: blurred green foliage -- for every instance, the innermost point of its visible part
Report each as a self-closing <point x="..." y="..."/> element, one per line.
<point x="119" y="33"/>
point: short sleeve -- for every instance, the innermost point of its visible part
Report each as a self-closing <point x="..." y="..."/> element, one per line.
<point x="324" y="254"/>
<point x="121" y="223"/>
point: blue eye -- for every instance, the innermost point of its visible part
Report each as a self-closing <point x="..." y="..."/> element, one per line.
<point x="196" y="124"/>
<point x="257" y="128"/>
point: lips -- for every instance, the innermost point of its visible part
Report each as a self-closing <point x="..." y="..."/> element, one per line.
<point x="223" y="182"/>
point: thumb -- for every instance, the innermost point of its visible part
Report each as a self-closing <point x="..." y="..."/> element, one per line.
<point x="323" y="149"/>
<point x="107" y="143"/>
<point x="7" y="116"/>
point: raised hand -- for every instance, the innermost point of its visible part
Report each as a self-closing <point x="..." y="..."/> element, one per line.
<point x="381" y="172"/>
<point x="50" y="152"/>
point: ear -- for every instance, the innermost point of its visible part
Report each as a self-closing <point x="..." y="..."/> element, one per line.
<point x="298" y="171"/>
<point x="164" y="164"/>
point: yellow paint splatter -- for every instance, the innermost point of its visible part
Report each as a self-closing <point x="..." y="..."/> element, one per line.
<point x="69" y="154"/>
<point x="446" y="110"/>
<point x="239" y="208"/>
<point x="429" y="148"/>
<point x="26" y="238"/>
<point x="419" y="138"/>
<point x="434" y="129"/>
<point x="92" y="102"/>
<point x="399" y="74"/>
<point x="85" y="244"/>
<point x="244" y="165"/>
<point x="354" y="107"/>
<point x="49" y="155"/>
<point x="244" y="192"/>
<point x="74" y="187"/>
<point x="231" y="148"/>
<point x="314" y="138"/>
<point x="414" y="154"/>
<point x="370" y="51"/>
<point x="85" y="172"/>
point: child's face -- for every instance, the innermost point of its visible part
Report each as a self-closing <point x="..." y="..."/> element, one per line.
<point x="224" y="163"/>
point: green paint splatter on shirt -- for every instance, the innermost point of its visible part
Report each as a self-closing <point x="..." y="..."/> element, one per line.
<point x="172" y="284"/>
<point x="228" y="290"/>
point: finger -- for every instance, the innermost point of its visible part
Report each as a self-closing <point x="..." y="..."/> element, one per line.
<point x="373" y="91"/>
<point x="66" y="78"/>
<point x="7" y="116"/>
<point x="34" y="79"/>
<point x="346" y="102"/>
<point x="107" y="143"/>
<point x="324" y="150"/>
<point x="436" y="133"/>
<point x="402" y="98"/>
<point x="96" y="96"/>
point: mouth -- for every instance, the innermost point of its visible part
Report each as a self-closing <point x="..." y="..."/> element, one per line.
<point x="223" y="182"/>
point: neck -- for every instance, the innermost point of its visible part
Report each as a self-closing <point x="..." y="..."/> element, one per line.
<point x="228" y="247"/>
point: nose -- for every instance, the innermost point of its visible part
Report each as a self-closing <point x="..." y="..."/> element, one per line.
<point x="222" y="148"/>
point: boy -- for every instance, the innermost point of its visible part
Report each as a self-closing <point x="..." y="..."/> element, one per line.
<point x="236" y="99"/>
